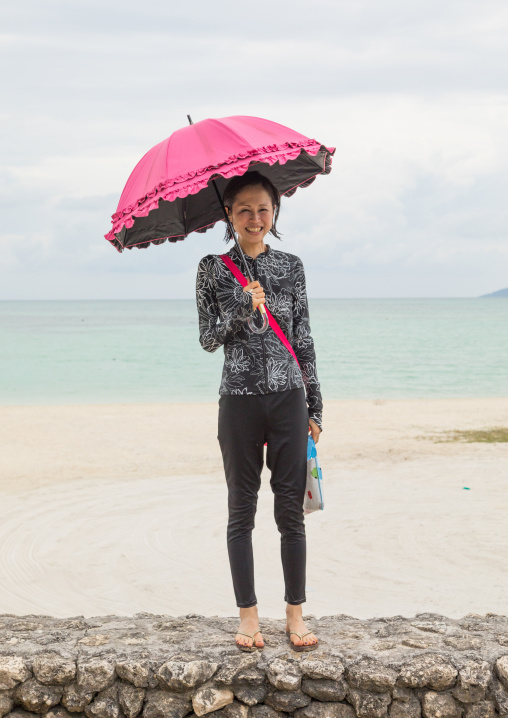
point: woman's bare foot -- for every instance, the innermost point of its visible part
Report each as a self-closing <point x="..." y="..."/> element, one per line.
<point x="295" y="622"/>
<point x="249" y="623"/>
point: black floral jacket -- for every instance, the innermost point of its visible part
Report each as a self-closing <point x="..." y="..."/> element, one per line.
<point x="259" y="363"/>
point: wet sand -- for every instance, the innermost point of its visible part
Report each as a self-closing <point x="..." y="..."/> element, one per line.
<point x="121" y="509"/>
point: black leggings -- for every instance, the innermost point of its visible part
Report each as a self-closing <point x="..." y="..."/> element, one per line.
<point x="246" y="422"/>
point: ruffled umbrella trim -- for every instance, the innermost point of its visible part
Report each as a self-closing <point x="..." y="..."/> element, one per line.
<point x="194" y="181"/>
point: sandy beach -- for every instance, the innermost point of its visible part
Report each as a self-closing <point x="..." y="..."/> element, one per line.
<point x="122" y="508"/>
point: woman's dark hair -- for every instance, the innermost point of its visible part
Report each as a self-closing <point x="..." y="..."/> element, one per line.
<point x="251" y="179"/>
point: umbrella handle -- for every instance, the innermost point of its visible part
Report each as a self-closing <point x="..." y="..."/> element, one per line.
<point x="252" y="326"/>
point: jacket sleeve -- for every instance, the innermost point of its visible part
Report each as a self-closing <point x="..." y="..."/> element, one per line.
<point x="215" y="329"/>
<point x="303" y="345"/>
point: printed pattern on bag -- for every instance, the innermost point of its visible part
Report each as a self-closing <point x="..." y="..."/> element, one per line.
<point x="313" y="500"/>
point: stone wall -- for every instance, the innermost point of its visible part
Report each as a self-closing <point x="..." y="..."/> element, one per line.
<point x="170" y="667"/>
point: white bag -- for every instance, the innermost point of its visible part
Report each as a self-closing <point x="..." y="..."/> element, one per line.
<point x="313" y="500"/>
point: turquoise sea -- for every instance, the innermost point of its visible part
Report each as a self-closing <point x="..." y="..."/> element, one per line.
<point x="75" y="352"/>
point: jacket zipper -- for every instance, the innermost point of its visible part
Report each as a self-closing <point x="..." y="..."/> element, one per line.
<point x="261" y="336"/>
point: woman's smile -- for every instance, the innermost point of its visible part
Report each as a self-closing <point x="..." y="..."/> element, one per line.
<point x="252" y="218"/>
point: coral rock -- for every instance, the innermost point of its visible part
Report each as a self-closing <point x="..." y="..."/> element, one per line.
<point x="440" y="705"/>
<point x="105" y="704"/>
<point x="502" y="670"/>
<point x="251" y="695"/>
<point x="95" y="674"/>
<point x="13" y="670"/>
<point x="317" y="709"/>
<point x="161" y="704"/>
<point x="368" y="704"/>
<point x="136" y="672"/>
<point x="287" y="701"/>
<point x="53" y="669"/>
<point x="75" y="699"/>
<point x="370" y="675"/>
<point x="130" y="699"/>
<point x="324" y="689"/>
<point x="429" y="671"/>
<point x="182" y="675"/>
<point x="317" y="668"/>
<point x="37" y="697"/>
<point x="284" y="676"/>
<point x="209" y="698"/>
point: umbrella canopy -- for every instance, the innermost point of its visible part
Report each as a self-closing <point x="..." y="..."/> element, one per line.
<point x="170" y="194"/>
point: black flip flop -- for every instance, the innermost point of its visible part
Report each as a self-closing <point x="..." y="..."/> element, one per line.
<point x="249" y="649"/>
<point x="304" y="648"/>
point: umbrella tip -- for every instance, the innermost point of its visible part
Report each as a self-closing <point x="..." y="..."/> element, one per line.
<point x="190" y="120"/>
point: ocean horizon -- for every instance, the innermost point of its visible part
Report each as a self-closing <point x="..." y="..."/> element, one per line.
<point x="147" y="351"/>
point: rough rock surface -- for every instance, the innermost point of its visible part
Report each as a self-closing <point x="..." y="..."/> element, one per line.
<point x="137" y="672"/>
<point x="369" y="675"/>
<point x="161" y="704"/>
<point x="75" y="699"/>
<point x="263" y="711"/>
<point x="250" y="695"/>
<point x="502" y="669"/>
<point x="440" y="705"/>
<point x="105" y="704"/>
<point x="155" y="666"/>
<point x="95" y="673"/>
<point x="233" y="710"/>
<point x="323" y="689"/>
<point x="283" y="675"/>
<point x="287" y="701"/>
<point x="53" y="669"/>
<point x="13" y="670"/>
<point x="130" y="699"/>
<point x="36" y="697"/>
<point x="209" y="698"/>
<point x="182" y="675"/>
<point x="325" y="710"/>
<point x="325" y="667"/>
<point x="405" y="708"/>
<point x="6" y="702"/>
<point x="370" y="705"/>
<point x="483" y="709"/>
<point x="431" y="670"/>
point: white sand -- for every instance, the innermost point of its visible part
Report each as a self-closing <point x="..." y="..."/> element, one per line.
<point x="120" y="509"/>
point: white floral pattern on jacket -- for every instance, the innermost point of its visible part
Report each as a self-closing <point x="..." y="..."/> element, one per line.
<point x="259" y="364"/>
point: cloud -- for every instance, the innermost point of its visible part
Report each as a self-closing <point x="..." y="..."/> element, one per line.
<point x="412" y="94"/>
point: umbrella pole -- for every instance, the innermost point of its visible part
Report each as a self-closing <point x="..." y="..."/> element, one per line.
<point x="263" y="328"/>
<point x="257" y="330"/>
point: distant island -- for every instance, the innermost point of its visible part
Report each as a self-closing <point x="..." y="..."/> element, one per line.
<point x="499" y="293"/>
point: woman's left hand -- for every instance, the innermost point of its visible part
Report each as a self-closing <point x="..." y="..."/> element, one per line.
<point x="314" y="430"/>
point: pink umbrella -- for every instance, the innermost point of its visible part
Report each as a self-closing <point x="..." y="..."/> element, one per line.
<point x="177" y="187"/>
<point x="169" y="193"/>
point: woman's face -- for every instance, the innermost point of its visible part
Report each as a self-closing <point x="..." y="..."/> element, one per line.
<point x="252" y="214"/>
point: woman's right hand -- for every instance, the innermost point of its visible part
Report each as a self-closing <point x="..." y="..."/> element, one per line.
<point x="257" y="292"/>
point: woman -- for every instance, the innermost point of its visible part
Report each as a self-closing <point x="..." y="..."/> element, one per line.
<point x="265" y="397"/>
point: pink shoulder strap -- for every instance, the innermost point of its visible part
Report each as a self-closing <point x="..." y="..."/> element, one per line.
<point x="273" y="322"/>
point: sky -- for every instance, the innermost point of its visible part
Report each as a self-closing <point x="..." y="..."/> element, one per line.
<point x="414" y="96"/>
